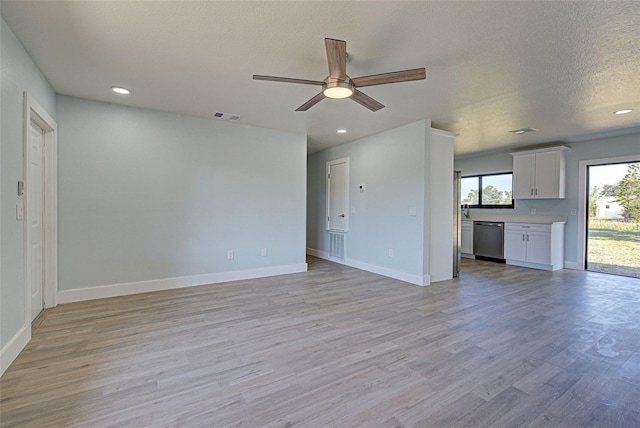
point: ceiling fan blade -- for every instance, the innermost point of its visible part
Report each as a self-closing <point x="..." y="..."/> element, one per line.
<point x="366" y="101"/>
<point x="395" y="77"/>
<point x="337" y="58"/>
<point x="286" y="80"/>
<point x="313" y="101"/>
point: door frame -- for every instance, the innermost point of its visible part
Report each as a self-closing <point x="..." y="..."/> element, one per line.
<point x="33" y="111"/>
<point x="583" y="199"/>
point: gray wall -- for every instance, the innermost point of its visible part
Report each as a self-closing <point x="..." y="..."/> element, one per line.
<point x="18" y="74"/>
<point x="391" y="164"/>
<point x="627" y="145"/>
<point x="147" y="195"/>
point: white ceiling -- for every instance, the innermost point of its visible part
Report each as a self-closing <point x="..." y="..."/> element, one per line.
<point x="560" y="67"/>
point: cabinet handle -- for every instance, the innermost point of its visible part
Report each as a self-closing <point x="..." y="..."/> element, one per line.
<point x="523" y="236"/>
<point x="531" y="192"/>
<point x="536" y="192"/>
<point x="527" y="238"/>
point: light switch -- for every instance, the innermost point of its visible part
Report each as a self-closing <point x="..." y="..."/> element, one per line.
<point x="413" y="211"/>
<point x="19" y="212"/>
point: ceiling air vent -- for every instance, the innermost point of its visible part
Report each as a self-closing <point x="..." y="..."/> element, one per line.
<point x="226" y="116"/>
<point x="523" y="131"/>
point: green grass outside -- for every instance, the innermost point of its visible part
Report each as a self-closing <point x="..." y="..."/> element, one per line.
<point x="614" y="247"/>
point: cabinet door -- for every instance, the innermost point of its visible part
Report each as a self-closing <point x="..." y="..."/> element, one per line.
<point x="466" y="240"/>
<point x="515" y="245"/>
<point x="547" y="175"/>
<point x="539" y="247"/>
<point x="524" y="176"/>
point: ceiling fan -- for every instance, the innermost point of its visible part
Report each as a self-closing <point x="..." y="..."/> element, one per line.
<point x="339" y="85"/>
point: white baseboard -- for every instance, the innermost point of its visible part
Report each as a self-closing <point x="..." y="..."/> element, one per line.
<point x="573" y="265"/>
<point x="101" y="292"/>
<point x="11" y="350"/>
<point x="317" y="253"/>
<point x="380" y="270"/>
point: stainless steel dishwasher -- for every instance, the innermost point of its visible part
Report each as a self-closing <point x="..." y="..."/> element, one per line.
<point x="488" y="239"/>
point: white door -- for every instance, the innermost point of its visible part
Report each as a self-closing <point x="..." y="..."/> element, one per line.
<point x="338" y="195"/>
<point x="35" y="215"/>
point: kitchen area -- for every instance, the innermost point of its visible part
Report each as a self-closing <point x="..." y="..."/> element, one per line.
<point x="532" y="241"/>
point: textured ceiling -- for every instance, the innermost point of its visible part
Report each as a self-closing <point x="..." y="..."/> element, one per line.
<point x="560" y="67"/>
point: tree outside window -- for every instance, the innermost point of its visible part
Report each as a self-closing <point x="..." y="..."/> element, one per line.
<point x="488" y="190"/>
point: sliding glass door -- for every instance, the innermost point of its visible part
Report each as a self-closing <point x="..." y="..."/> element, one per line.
<point x="613" y="219"/>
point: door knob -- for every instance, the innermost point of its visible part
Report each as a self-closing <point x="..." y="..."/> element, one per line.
<point x="341" y="215"/>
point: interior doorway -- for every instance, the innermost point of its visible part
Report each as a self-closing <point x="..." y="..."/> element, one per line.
<point x="40" y="174"/>
<point x="338" y="195"/>
<point x="613" y="218"/>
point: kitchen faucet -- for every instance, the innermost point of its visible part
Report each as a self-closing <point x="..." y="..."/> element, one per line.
<point x="465" y="210"/>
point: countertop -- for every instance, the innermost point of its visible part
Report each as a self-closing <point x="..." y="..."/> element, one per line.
<point x="543" y="219"/>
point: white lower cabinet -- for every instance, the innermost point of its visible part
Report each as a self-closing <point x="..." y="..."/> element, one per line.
<point x="466" y="238"/>
<point x="539" y="246"/>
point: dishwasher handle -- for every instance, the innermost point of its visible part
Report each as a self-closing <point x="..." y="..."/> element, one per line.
<point x="488" y="223"/>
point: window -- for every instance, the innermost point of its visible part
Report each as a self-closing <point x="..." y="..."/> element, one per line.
<point x="488" y="190"/>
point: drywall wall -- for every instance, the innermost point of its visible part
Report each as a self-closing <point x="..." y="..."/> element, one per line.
<point x="620" y="146"/>
<point x="439" y="194"/>
<point x="145" y="195"/>
<point x="395" y="223"/>
<point x="18" y="74"/>
<point x="391" y="166"/>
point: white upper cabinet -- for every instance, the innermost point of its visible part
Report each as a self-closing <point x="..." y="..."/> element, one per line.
<point x="539" y="174"/>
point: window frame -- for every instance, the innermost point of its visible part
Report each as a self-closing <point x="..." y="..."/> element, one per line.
<point x="480" y="186"/>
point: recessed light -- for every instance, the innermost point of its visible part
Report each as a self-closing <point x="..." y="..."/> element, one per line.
<point x="342" y="131"/>
<point x="120" y="90"/>
<point x="625" y="111"/>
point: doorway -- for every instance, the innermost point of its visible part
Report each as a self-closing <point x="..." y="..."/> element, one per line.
<point x="40" y="209"/>
<point x="338" y="195"/>
<point x="613" y="218"/>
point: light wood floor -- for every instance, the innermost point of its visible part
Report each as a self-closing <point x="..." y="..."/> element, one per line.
<point x="501" y="346"/>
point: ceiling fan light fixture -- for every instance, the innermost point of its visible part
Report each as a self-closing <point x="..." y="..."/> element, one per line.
<point x="337" y="90"/>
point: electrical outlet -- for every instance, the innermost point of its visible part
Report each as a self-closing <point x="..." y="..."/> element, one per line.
<point x="413" y="211"/>
<point x="264" y="252"/>
<point x="390" y="252"/>
<point x="573" y="211"/>
<point x="533" y="211"/>
<point x="230" y="255"/>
